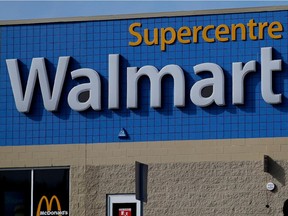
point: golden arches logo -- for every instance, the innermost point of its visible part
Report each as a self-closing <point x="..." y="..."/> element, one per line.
<point x="48" y="204"/>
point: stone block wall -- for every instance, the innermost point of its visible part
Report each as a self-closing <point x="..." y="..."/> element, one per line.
<point x="185" y="189"/>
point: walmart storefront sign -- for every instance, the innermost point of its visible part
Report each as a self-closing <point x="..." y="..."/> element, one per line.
<point x="51" y="98"/>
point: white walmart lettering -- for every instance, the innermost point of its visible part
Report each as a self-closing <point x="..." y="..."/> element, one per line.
<point x="217" y="82"/>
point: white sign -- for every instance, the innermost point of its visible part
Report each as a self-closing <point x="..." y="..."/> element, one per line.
<point x="123" y="204"/>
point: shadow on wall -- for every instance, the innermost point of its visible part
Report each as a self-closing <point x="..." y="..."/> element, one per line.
<point x="285" y="208"/>
<point x="277" y="171"/>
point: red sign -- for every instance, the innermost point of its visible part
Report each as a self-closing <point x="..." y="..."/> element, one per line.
<point x="125" y="212"/>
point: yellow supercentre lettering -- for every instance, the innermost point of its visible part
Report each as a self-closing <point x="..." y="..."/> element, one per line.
<point x="164" y="40"/>
<point x="205" y="34"/>
<point x="155" y="40"/>
<point x="251" y="24"/>
<point x="210" y="33"/>
<point x="136" y="34"/>
<point x="196" y="29"/>
<point x="275" y="27"/>
<point x="234" y="31"/>
<point x="184" y="31"/>
<point x="261" y="30"/>
<point x="222" y="30"/>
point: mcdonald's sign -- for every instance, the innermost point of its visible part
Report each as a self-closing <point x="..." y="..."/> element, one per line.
<point x="49" y="203"/>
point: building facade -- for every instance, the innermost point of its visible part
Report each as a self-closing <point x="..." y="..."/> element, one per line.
<point x="201" y="97"/>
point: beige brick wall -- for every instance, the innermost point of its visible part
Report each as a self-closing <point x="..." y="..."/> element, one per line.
<point x="186" y="178"/>
<point x="186" y="189"/>
<point x="148" y="152"/>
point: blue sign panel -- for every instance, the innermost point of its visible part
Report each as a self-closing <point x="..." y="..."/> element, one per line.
<point x="167" y="78"/>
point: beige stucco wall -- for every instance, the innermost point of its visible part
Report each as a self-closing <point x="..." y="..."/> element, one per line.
<point x="185" y="189"/>
<point x="208" y="177"/>
<point x="146" y="152"/>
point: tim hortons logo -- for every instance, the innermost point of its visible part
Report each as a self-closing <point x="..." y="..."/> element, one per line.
<point x="49" y="203"/>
